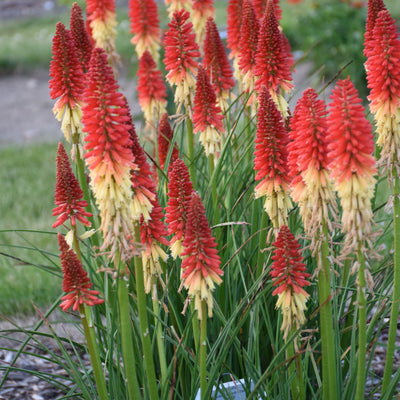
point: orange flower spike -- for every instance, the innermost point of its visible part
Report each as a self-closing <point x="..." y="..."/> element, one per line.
<point x="179" y="191"/>
<point x="165" y="136"/>
<point x="352" y="164"/>
<point x="76" y="283"/>
<point x="68" y="193"/>
<point x="106" y="120"/>
<point x="102" y="21"/>
<point x="145" y="25"/>
<point x="201" y="262"/>
<point x="383" y="75"/>
<point x="207" y="116"/>
<point x="216" y="63"/>
<point x="152" y="93"/>
<point x="270" y="161"/>
<point x="248" y="45"/>
<point x="67" y="82"/>
<point x="374" y="7"/>
<point x="261" y="5"/>
<point x="289" y="276"/>
<point x="181" y="53"/>
<point x="177" y="5"/>
<point x="81" y="37"/>
<point x="201" y="11"/>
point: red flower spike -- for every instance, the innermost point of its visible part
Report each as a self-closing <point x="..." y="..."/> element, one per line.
<point x="207" y="117"/>
<point x="145" y="25"/>
<point x="383" y="75"/>
<point x="308" y="156"/>
<point x="270" y="160"/>
<point x="67" y="82"/>
<point x="152" y="93"/>
<point x="179" y="191"/>
<point x="165" y="136"/>
<point x="248" y="44"/>
<point x="107" y="121"/>
<point x="201" y="262"/>
<point x="374" y="7"/>
<point x="181" y="52"/>
<point x="352" y="163"/>
<point x="260" y="6"/>
<point x="81" y="36"/>
<point x="272" y="62"/>
<point x="234" y="22"/>
<point x="76" y="282"/>
<point x="289" y="276"/>
<point x="68" y="193"/>
<point x="201" y="11"/>
<point x="216" y="63"/>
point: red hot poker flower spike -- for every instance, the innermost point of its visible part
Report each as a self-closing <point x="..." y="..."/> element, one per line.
<point x="165" y="135"/>
<point x="260" y="6"/>
<point x="76" y="282"/>
<point x="67" y="82"/>
<point x="68" y="193"/>
<point x="207" y="117"/>
<point x="289" y="276"/>
<point x="201" y="11"/>
<point x="374" y="7"/>
<point x="201" y="262"/>
<point x="179" y="191"/>
<point x="145" y="26"/>
<point x="152" y="92"/>
<point x="234" y="16"/>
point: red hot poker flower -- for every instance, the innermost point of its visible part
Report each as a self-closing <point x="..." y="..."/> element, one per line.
<point x="67" y="82"/>
<point x="145" y="26"/>
<point x="165" y="136"/>
<point x="201" y="11"/>
<point x="76" y="282"/>
<point x="260" y="6"/>
<point x="201" y="262"/>
<point x="68" y="193"/>
<point x="383" y="75"/>
<point x="207" y="117"/>
<point x="179" y="191"/>
<point x="374" y="7"/>
<point x="270" y="160"/>
<point x="152" y="92"/>
<point x="352" y="163"/>
<point x="289" y="276"/>
<point x="216" y="63"/>
<point x="234" y="21"/>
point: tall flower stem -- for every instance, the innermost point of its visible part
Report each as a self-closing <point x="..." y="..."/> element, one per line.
<point x="262" y="243"/>
<point x="362" y="328"/>
<point x="144" y="328"/>
<point x="190" y="145"/>
<point x="396" y="286"/>
<point x="216" y="216"/>
<point x="203" y="351"/>
<point x="295" y="372"/>
<point x="93" y="349"/>
<point x="329" y="367"/>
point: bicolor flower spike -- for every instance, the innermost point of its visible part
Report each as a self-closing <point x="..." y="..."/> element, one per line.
<point x="76" y="283"/>
<point x="177" y="5"/>
<point x="152" y="93"/>
<point x="145" y="25"/>
<point x="81" y="37"/>
<point x="352" y="164"/>
<point x="201" y="11"/>
<point x="308" y="154"/>
<point x="289" y="277"/>
<point x="216" y="63"/>
<point x="67" y="83"/>
<point x="181" y="53"/>
<point x="180" y="189"/>
<point x="107" y="121"/>
<point x="68" y="194"/>
<point x="273" y="62"/>
<point x="165" y="136"/>
<point x="102" y="21"/>
<point x="207" y="116"/>
<point x="383" y="75"/>
<point x="270" y="161"/>
<point x="201" y="262"/>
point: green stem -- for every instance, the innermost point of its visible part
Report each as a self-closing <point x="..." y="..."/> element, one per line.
<point x="159" y="337"/>
<point x="145" y="331"/>
<point x="203" y="351"/>
<point x="190" y="145"/>
<point x="195" y="326"/>
<point x="93" y="352"/>
<point x="329" y="367"/>
<point x="262" y="244"/>
<point x="127" y="341"/>
<point x="362" y="328"/>
<point x="216" y="216"/>
<point x="394" y="313"/>
<point x="295" y="372"/>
